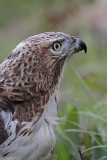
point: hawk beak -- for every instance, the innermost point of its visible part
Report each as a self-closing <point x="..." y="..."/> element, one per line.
<point x="80" y="45"/>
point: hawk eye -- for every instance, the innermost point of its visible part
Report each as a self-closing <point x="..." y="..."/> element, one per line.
<point x="56" y="46"/>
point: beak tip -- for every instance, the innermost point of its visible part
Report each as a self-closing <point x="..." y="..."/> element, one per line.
<point x="85" y="50"/>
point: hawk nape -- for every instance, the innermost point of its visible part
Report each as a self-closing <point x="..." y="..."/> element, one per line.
<point x="29" y="84"/>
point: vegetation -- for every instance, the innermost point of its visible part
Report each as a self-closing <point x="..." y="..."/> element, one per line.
<point x="82" y="128"/>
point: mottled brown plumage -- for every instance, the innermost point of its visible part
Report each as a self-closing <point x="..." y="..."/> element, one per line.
<point x="29" y="82"/>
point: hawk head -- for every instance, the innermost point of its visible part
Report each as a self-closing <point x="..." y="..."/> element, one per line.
<point x="51" y="52"/>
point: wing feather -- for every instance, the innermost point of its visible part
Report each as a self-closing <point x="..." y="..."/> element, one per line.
<point x="5" y="106"/>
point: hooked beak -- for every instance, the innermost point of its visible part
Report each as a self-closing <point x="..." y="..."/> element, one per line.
<point x="80" y="45"/>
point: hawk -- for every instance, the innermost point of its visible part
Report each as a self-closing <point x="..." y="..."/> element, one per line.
<point x="29" y="85"/>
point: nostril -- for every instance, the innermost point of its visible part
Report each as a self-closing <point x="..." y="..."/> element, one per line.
<point x="74" y="39"/>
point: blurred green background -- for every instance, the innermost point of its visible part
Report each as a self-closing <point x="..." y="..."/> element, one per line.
<point x="82" y="128"/>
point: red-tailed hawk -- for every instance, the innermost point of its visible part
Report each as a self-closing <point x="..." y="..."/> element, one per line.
<point x="29" y="84"/>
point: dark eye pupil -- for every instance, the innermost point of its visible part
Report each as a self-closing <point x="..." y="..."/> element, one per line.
<point x="57" y="46"/>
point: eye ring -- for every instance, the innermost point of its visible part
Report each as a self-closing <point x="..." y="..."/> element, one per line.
<point x="56" y="46"/>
